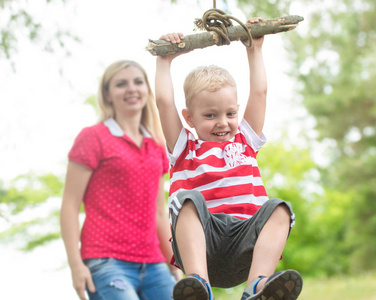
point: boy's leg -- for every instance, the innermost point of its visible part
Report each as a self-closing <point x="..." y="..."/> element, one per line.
<point x="269" y="245"/>
<point x="191" y="241"/>
<point x="189" y="218"/>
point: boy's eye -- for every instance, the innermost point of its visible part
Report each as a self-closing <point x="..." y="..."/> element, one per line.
<point x="231" y="114"/>
<point x="209" y="116"/>
<point x="139" y="82"/>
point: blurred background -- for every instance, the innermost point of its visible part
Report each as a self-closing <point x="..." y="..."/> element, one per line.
<point x="320" y="123"/>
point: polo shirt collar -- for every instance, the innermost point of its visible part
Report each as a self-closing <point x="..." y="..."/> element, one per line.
<point x="116" y="130"/>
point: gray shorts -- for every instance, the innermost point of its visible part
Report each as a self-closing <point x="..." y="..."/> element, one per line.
<point x="229" y="240"/>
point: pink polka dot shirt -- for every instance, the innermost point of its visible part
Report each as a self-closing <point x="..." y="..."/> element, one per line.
<point x="120" y="199"/>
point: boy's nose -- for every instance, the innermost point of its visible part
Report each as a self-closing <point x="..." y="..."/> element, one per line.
<point x="222" y="122"/>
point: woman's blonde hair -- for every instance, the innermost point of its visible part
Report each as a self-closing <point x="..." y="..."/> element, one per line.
<point x="206" y="78"/>
<point x="150" y="117"/>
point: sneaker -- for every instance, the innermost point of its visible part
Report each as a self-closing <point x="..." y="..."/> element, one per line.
<point x="192" y="287"/>
<point x="285" y="285"/>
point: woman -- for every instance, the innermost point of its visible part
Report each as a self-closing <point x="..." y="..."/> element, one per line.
<point x="116" y="169"/>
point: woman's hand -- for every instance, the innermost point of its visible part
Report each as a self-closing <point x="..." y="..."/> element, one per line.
<point x="81" y="277"/>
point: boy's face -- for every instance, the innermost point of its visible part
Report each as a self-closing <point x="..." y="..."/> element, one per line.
<point x="214" y="115"/>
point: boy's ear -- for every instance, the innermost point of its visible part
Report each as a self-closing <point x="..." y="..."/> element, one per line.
<point x="187" y="117"/>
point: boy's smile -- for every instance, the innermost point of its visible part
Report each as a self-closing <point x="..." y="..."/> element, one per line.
<point x="214" y="115"/>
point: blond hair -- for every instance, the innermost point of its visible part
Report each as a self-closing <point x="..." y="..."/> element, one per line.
<point x="150" y="117"/>
<point x="206" y="78"/>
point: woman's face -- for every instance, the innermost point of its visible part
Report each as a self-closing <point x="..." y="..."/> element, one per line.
<point x="128" y="91"/>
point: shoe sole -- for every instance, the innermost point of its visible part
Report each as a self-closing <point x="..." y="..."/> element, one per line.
<point x="285" y="286"/>
<point x="190" y="288"/>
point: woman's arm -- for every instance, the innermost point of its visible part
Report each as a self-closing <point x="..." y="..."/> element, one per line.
<point x="77" y="179"/>
<point x="163" y="230"/>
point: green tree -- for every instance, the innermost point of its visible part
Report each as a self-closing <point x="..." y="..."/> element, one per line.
<point x="336" y="67"/>
<point x="21" y="21"/>
<point x="29" y="204"/>
<point x="315" y="246"/>
<point x="29" y="210"/>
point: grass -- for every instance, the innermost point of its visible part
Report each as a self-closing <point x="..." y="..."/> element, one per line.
<point x="360" y="287"/>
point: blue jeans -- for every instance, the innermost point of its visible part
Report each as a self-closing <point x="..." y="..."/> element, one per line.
<point x="121" y="280"/>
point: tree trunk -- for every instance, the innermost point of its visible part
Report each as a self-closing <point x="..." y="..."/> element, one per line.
<point x="235" y="33"/>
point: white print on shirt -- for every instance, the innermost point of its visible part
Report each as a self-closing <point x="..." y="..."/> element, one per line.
<point x="233" y="155"/>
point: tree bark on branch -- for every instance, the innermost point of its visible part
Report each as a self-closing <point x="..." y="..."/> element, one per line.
<point x="235" y="33"/>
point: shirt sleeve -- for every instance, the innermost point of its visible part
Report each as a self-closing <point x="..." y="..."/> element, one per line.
<point x="165" y="161"/>
<point x="86" y="149"/>
<point x="180" y="145"/>
<point x="252" y="138"/>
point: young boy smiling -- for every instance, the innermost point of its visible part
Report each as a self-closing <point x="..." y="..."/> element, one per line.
<point x="225" y="229"/>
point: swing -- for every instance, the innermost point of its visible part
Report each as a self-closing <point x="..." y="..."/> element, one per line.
<point x="220" y="31"/>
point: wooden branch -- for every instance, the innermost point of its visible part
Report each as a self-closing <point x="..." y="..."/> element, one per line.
<point x="235" y="33"/>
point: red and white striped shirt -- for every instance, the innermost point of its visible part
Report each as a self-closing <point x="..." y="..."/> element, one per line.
<point x="225" y="173"/>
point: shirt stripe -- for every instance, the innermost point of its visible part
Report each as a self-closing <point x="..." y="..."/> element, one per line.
<point x="225" y="173"/>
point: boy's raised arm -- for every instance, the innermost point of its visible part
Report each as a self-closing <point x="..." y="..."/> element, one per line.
<point x="255" y="110"/>
<point x="164" y="94"/>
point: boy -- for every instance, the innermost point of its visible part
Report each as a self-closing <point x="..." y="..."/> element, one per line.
<point x="225" y="230"/>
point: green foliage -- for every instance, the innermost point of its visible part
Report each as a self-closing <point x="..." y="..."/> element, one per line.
<point x="92" y="101"/>
<point x="290" y="174"/>
<point x="28" y="191"/>
<point x="41" y="240"/>
<point x="19" y="23"/>
<point x="333" y="60"/>
<point x="29" y="210"/>
<point x="336" y="73"/>
<point x="266" y="9"/>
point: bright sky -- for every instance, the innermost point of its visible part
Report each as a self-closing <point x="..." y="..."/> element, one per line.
<point x="42" y="110"/>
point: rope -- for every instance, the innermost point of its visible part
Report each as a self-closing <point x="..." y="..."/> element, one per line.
<point x="218" y="21"/>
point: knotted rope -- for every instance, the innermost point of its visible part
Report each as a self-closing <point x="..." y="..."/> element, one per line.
<point x="218" y="21"/>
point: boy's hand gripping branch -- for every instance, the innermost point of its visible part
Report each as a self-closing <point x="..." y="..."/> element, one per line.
<point x="234" y="33"/>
